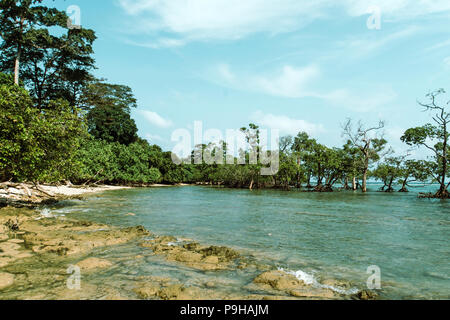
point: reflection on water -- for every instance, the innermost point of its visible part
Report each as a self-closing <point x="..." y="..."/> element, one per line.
<point x="336" y="235"/>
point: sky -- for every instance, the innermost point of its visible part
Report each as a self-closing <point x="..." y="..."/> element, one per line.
<point x="291" y="65"/>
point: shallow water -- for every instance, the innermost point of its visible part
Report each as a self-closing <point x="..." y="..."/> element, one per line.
<point x="329" y="235"/>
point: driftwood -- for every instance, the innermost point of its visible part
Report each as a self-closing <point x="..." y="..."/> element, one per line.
<point x="24" y="195"/>
<point x="36" y="186"/>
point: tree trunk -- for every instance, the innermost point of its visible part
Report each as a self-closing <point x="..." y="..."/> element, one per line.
<point x="346" y="187"/>
<point x="390" y="189"/>
<point x="354" y="186"/>
<point x="404" y="189"/>
<point x="364" y="183"/>
<point x="299" y="184"/>
<point x="443" y="190"/>
<point x="366" y="169"/>
<point x="309" y="181"/>
<point x="17" y="65"/>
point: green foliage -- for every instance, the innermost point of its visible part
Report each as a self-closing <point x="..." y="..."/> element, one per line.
<point x="6" y="79"/>
<point x="435" y="138"/>
<point x="389" y="172"/>
<point x="18" y="153"/>
<point x="53" y="60"/>
<point x="109" y="112"/>
<point x="101" y="161"/>
<point x="36" y="145"/>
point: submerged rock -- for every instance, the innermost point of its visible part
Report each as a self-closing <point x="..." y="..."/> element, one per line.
<point x="279" y="280"/>
<point x="206" y="258"/>
<point x="225" y="254"/>
<point x="168" y="289"/>
<point x="6" y="280"/>
<point x="366" y="295"/>
<point x="94" y="263"/>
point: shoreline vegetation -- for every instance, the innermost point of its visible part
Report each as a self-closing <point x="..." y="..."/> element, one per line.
<point x="36" y="248"/>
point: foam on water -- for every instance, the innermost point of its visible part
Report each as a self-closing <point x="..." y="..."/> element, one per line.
<point x="309" y="279"/>
<point x="45" y="214"/>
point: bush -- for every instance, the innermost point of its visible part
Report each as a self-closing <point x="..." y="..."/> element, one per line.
<point x="36" y="145"/>
<point x="106" y="162"/>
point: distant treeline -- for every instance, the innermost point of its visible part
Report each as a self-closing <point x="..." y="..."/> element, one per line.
<point x="59" y="123"/>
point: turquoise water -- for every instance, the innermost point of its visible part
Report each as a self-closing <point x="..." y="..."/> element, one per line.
<point x="328" y="235"/>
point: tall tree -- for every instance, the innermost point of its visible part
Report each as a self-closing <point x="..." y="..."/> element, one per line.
<point x="368" y="141"/>
<point x="51" y="64"/>
<point x="109" y="107"/>
<point x="302" y="148"/>
<point x="435" y="138"/>
<point x="352" y="163"/>
<point x="252" y="136"/>
<point x="17" y="19"/>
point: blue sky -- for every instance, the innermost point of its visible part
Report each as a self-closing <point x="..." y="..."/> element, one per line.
<point x="292" y="65"/>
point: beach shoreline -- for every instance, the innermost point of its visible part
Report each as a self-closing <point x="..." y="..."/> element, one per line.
<point x="32" y="195"/>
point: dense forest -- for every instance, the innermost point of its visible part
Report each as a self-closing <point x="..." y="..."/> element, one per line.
<point x="60" y="124"/>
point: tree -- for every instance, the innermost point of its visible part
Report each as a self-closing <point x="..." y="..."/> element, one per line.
<point x="58" y="66"/>
<point x="435" y="138"/>
<point x="302" y="148"/>
<point x="368" y="141"/>
<point x="109" y="108"/>
<point x="388" y="172"/>
<point x="352" y="165"/>
<point x="414" y="171"/>
<point x="288" y="171"/>
<point x="36" y="145"/>
<point x="17" y="18"/>
<point x="253" y="139"/>
<point x="105" y="162"/>
<point x="52" y="66"/>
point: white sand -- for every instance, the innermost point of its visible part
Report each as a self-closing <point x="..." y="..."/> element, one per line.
<point x="77" y="191"/>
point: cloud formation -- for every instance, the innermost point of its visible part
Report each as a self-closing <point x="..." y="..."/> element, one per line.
<point x="178" y="22"/>
<point x="156" y="119"/>
<point x="300" y="82"/>
<point x="285" y="124"/>
<point x="288" y="81"/>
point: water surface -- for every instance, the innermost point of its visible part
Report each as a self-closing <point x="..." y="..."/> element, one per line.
<point x="328" y="235"/>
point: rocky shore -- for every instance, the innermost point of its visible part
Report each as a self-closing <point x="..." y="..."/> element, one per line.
<point x="35" y="250"/>
<point x="21" y="195"/>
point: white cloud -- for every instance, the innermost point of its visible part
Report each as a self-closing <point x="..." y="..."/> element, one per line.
<point x="398" y="9"/>
<point x="183" y="21"/>
<point x="298" y="82"/>
<point x="288" y="82"/>
<point x="219" y="19"/>
<point x="154" y="137"/>
<point x="285" y="124"/>
<point x="225" y="72"/>
<point x="439" y="45"/>
<point x="447" y="62"/>
<point x="357" y="47"/>
<point x="361" y="101"/>
<point x="156" y="119"/>
<point x="291" y="82"/>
